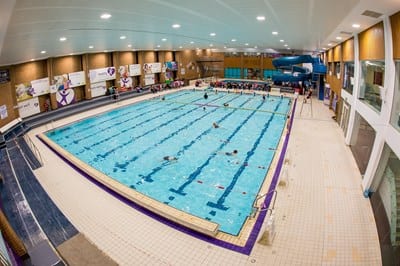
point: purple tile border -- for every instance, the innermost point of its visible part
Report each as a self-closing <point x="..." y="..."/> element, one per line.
<point x="257" y="226"/>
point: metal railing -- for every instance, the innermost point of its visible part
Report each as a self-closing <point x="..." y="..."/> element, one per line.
<point x="257" y="209"/>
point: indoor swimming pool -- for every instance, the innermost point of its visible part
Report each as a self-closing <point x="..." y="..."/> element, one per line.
<point x="168" y="149"/>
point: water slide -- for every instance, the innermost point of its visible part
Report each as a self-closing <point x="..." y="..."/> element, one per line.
<point x="291" y="71"/>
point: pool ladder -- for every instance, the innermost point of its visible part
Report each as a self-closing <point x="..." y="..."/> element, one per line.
<point x="256" y="209"/>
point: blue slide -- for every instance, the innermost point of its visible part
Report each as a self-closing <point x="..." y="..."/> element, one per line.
<point x="292" y="72"/>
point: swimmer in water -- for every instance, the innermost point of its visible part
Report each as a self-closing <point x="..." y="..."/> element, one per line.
<point x="234" y="152"/>
<point x="170" y="158"/>
<point x="215" y="125"/>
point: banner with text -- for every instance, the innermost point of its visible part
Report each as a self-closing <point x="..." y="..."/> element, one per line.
<point x="98" y="89"/>
<point x="102" y="74"/>
<point x="150" y="68"/>
<point x="76" y="79"/>
<point x="149" y="79"/>
<point x="134" y="70"/>
<point x="29" y="107"/>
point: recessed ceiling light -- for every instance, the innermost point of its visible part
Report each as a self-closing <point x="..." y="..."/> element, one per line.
<point x="71" y="54"/>
<point x="338" y="38"/>
<point x="105" y="51"/>
<point x="192" y="42"/>
<point x="123" y="37"/>
<point x="180" y="47"/>
<point x="323" y="48"/>
<point x="63" y="39"/>
<point x="233" y="40"/>
<point x="356" y="26"/>
<point x="176" y="26"/>
<point x="211" y="45"/>
<point x="213" y="34"/>
<point x="91" y="46"/>
<point x="329" y="44"/>
<point x="158" y="46"/>
<point x="255" y="47"/>
<point x="281" y="40"/>
<point x="285" y="45"/>
<point x="105" y="16"/>
<point x="246" y="44"/>
<point x="32" y="59"/>
<point x="260" y="18"/>
<point x="274" y="33"/>
<point x="129" y="45"/>
<point x="43" y="52"/>
<point x="164" y="39"/>
<point x="288" y="48"/>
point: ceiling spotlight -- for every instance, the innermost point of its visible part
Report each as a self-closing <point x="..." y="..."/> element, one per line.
<point x="260" y="18"/>
<point x="63" y="39"/>
<point x="356" y="26"/>
<point x="176" y="26"/>
<point x="129" y="45"/>
<point x="338" y="38"/>
<point x="91" y="46"/>
<point x="213" y="34"/>
<point x="180" y="47"/>
<point x="281" y="40"/>
<point x="233" y="40"/>
<point x="255" y="47"/>
<point x="158" y="46"/>
<point x="164" y="39"/>
<point x="43" y="52"/>
<point x="123" y="37"/>
<point x="285" y="45"/>
<point x="105" y="16"/>
<point x="192" y="42"/>
<point x="329" y="44"/>
<point x="274" y="33"/>
<point x="246" y="44"/>
<point x="211" y="45"/>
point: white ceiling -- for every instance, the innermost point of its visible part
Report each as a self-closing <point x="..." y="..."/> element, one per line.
<point x="28" y="27"/>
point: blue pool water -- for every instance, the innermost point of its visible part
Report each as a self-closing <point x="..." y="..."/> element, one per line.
<point x="128" y="144"/>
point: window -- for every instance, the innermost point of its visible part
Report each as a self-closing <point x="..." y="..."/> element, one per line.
<point x="371" y="83"/>
<point x="348" y="78"/>
<point x="395" y="117"/>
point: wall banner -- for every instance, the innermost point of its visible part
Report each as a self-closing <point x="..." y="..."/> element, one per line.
<point x="98" y="89"/>
<point x="150" y="68"/>
<point x="65" y="97"/>
<point x="102" y="74"/>
<point x="29" y="107"/>
<point x="40" y="86"/>
<point x="76" y="79"/>
<point x="134" y="70"/>
<point x="3" y="111"/>
<point x="149" y="79"/>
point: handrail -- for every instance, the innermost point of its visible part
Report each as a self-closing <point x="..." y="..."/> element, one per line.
<point x="34" y="149"/>
<point x="256" y="209"/>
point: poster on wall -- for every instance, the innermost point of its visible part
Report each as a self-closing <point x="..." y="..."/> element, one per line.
<point x="150" y="68"/>
<point x="149" y="79"/>
<point x="134" y="70"/>
<point x="3" y="112"/>
<point x="40" y="86"/>
<point x="98" y="89"/>
<point x="29" y="107"/>
<point x="172" y="65"/>
<point x="65" y="97"/>
<point x="102" y="74"/>
<point x="76" y="79"/>
<point x="4" y="75"/>
<point x="183" y="71"/>
<point x="25" y="91"/>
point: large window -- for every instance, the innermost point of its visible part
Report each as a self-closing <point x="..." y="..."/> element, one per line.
<point x="232" y="73"/>
<point x="348" y="78"/>
<point x="371" y="83"/>
<point x="395" y="117"/>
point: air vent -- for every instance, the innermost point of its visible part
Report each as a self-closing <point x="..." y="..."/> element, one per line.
<point x="346" y="33"/>
<point x="371" y="14"/>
